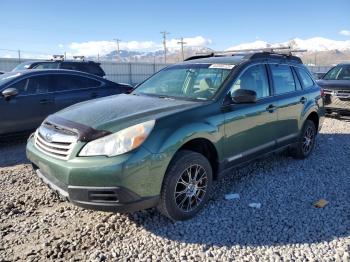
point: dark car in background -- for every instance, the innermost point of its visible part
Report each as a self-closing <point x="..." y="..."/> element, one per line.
<point x="336" y="85"/>
<point x="1" y="72"/>
<point x="28" y="97"/>
<point x="90" y="67"/>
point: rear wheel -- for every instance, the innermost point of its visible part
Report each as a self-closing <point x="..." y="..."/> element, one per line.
<point x="306" y="141"/>
<point x="186" y="185"/>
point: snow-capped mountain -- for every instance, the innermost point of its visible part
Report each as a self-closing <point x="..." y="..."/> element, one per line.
<point x="173" y="55"/>
<point x="312" y="44"/>
<point x="319" y="51"/>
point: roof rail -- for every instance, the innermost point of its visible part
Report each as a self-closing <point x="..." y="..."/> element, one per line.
<point x="204" y="55"/>
<point x="79" y="57"/>
<point x="58" y="57"/>
<point x="285" y="51"/>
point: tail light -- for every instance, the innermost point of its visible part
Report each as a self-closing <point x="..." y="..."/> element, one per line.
<point x="129" y="91"/>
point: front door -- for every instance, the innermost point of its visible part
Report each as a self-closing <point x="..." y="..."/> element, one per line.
<point x="29" y="108"/>
<point x="250" y="128"/>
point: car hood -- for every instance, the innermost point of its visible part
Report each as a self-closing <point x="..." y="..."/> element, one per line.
<point x="334" y="84"/>
<point x="114" y="113"/>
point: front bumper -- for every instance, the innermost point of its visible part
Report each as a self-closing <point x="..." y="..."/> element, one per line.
<point x="110" y="199"/>
<point x="125" y="183"/>
<point x="337" y="102"/>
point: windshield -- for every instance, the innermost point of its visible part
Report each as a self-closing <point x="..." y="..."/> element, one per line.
<point x="341" y="72"/>
<point x="22" y="66"/>
<point x="193" y="81"/>
<point x="7" y="77"/>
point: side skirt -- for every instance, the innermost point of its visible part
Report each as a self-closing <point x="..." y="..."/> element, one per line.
<point x="228" y="165"/>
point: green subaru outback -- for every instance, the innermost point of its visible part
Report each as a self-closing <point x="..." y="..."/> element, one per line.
<point x="164" y="144"/>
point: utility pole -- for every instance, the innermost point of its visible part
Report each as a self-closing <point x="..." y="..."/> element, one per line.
<point x="182" y="43"/>
<point x="315" y="58"/>
<point x="118" y="41"/>
<point x="164" y="33"/>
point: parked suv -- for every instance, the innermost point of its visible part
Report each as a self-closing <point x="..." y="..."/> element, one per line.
<point x="163" y="145"/>
<point x="336" y="85"/>
<point x="90" y="67"/>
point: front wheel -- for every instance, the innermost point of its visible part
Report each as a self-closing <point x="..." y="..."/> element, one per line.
<point x="306" y="141"/>
<point x="186" y="185"/>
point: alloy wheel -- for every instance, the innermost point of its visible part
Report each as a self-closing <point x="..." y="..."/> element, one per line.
<point x="191" y="188"/>
<point x="308" y="140"/>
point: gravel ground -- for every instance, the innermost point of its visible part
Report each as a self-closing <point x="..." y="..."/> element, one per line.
<point x="35" y="225"/>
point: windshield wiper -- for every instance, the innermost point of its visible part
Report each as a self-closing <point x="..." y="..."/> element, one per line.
<point x="165" y="97"/>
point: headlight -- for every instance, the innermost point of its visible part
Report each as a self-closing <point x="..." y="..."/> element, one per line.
<point x="120" y="142"/>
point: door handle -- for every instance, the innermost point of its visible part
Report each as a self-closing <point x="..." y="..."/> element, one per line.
<point x="303" y="100"/>
<point x="46" y="101"/>
<point x="271" y="108"/>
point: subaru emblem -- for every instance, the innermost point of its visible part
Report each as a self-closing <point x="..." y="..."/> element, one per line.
<point x="48" y="137"/>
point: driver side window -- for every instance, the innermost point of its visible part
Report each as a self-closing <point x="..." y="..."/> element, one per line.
<point x="254" y="78"/>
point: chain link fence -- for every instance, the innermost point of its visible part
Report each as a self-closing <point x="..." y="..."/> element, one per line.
<point x="125" y="72"/>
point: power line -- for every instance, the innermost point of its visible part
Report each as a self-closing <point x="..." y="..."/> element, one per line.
<point x="182" y="47"/>
<point x="164" y="33"/>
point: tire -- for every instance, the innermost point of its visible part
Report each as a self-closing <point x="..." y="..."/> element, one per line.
<point x="306" y="141"/>
<point x="183" y="195"/>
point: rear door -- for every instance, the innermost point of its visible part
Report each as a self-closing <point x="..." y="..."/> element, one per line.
<point x="290" y="102"/>
<point x="250" y="128"/>
<point x="72" y="89"/>
<point x="30" y="107"/>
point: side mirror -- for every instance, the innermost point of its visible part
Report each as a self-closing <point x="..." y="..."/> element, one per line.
<point x="241" y="96"/>
<point x="9" y="92"/>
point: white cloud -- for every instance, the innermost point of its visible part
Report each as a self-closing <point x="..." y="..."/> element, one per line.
<point x="92" y="48"/>
<point x="190" y="41"/>
<point x="345" y="32"/>
<point x="61" y="45"/>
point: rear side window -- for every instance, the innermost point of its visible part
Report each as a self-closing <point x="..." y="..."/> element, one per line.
<point x="72" y="82"/>
<point x="305" y="78"/>
<point x="96" y="70"/>
<point x="283" y="79"/>
<point x="254" y="78"/>
<point x="33" y="85"/>
<point x="90" y="68"/>
<point x="75" y="66"/>
<point x="46" y="66"/>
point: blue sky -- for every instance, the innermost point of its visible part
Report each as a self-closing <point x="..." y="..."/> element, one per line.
<point x="44" y="26"/>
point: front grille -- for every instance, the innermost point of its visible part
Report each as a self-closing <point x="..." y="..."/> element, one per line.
<point x="55" y="142"/>
<point x="338" y="93"/>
